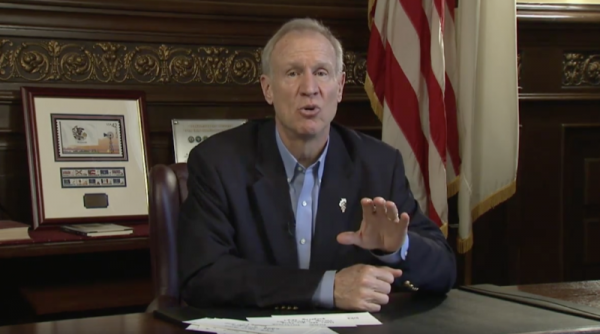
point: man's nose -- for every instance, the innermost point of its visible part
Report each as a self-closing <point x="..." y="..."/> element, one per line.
<point x="309" y="86"/>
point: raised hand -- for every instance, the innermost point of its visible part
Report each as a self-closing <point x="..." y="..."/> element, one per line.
<point x="381" y="227"/>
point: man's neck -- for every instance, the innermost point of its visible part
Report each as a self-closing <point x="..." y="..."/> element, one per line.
<point x="305" y="151"/>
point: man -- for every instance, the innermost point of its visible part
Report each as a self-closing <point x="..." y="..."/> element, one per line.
<point x="298" y="212"/>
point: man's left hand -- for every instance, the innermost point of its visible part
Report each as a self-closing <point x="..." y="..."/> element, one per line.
<point x="381" y="227"/>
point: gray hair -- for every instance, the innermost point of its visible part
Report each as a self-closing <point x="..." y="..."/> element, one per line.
<point x="306" y="24"/>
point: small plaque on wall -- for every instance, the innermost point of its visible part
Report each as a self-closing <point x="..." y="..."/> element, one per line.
<point x="95" y="201"/>
<point x="187" y="133"/>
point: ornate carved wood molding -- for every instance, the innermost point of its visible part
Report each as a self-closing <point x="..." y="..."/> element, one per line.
<point x="558" y="13"/>
<point x="265" y="9"/>
<point x="134" y="63"/>
<point x="581" y="69"/>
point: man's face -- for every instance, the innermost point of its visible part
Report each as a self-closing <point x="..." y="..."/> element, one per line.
<point x="303" y="86"/>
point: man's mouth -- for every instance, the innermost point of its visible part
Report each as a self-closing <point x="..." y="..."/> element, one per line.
<point x="309" y="109"/>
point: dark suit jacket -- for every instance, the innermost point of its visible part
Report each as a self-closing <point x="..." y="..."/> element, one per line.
<point x="235" y="233"/>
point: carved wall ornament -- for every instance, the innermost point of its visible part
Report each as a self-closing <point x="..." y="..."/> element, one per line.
<point x="581" y="69"/>
<point x="132" y="63"/>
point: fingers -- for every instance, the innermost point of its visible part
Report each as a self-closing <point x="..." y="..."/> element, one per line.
<point x="387" y="274"/>
<point x="363" y="287"/>
<point x="404" y="219"/>
<point x="348" y="238"/>
<point x="392" y="211"/>
<point x="367" y="206"/>
<point x="382" y="274"/>
<point x="372" y="300"/>
<point x="370" y="307"/>
<point x="379" y="206"/>
<point x="381" y="286"/>
<point x="379" y="298"/>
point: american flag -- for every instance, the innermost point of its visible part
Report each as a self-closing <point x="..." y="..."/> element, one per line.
<point x="410" y="79"/>
<point x="426" y="97"/>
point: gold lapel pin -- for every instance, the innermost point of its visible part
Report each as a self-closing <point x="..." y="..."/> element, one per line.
<point x="343" y="204"/>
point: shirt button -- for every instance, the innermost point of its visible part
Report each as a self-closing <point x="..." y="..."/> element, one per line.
<point x="302" y="241"/>
<point x="303" y="203"/>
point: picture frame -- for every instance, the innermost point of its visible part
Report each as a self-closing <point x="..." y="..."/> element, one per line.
<point x="88" y="155"/>
<point x="187" y="133"/>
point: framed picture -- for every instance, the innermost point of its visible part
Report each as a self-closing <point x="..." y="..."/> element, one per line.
<point x="187" y="133"/>
<point x="89" y="137"/>
<point x="88" y="156"/>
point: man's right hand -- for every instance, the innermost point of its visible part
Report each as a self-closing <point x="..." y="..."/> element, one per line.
<point x="363" y="287"/>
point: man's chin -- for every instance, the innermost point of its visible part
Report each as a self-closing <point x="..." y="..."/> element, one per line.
<point x="310" y="132"/>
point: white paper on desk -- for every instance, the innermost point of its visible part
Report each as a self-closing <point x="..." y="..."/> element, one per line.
<point x="210" y="329"/>
<point x="238" y="326"/>
<point x="354" y="318"/>
<point x="312" y="320"/>
<point x="300" y="322"/>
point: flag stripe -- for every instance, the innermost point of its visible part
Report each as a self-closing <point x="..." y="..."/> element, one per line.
<point x="402" y="83"/>
<point x="404" y="107"/>
<point x="376" y="63"/>
<point x="450" y="102"/>
<point x="412" y="169"/>
<point x="437" y="122"/>
<point x="436" y="172"/>
<point x="437" y="158"/>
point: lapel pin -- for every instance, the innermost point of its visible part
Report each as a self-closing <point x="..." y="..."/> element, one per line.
<point x="343" y="204"/>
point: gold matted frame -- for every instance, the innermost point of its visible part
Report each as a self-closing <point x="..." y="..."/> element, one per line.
<point x="88" y="155"/>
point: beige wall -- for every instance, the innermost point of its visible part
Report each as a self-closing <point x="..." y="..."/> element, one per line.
<point x="561" y="1"/>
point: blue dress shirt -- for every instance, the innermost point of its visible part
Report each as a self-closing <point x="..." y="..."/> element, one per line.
<point x="304" y="184"/>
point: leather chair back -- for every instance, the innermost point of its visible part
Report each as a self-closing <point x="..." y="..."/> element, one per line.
<point x="167" y="190"/>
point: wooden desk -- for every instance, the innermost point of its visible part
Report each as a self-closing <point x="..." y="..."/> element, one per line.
<point x="58" y="273"/>
<point x="583" y="293"/>
<point x="53" y="241"/>
<point x="141" y="323"/>
<point x="459" y="312"/>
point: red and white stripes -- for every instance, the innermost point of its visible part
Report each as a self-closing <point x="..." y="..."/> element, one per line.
<point x="410" y="75"/>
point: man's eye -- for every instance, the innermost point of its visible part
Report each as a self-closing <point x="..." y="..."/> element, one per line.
<point x="322" y="73"/>
<point x="292" y="74"/>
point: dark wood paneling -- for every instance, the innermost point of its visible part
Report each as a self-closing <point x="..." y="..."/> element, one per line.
<point x="581" y="217"/>
<point x="179" y="21"/>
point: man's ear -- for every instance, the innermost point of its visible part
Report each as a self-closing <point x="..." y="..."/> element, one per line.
<point x="341" y="82"/>
<point x="265" y="83"/>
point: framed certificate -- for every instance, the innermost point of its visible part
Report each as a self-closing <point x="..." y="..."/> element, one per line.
<point x="88" y="159"/>
<point x="187" y="133"/>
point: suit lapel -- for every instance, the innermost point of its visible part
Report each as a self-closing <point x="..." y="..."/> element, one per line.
<point x="272" y="198"/>
<point x="336" y="185"/>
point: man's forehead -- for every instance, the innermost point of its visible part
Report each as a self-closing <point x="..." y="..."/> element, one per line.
<point x="307" y="40"/>
<point x="297" y="45"/>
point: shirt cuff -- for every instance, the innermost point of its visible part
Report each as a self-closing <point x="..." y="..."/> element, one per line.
<point x="397" y="256"/>
<point x="323" y="296"/>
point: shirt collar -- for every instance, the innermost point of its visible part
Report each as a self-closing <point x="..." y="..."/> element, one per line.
<point x="290" y="163"/>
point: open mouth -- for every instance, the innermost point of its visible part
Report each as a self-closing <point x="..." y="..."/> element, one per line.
<point x="309" y="109"/>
